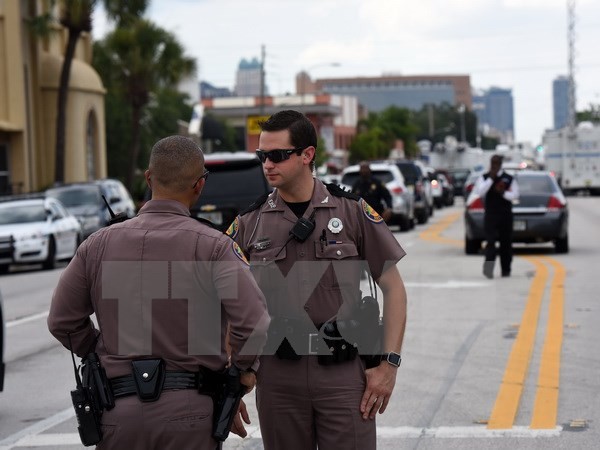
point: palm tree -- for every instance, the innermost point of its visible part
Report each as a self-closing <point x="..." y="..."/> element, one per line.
<point x="144" y="58"/>
<point x="76" y="17"/>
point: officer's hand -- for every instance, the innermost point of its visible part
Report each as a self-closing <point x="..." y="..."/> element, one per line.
<point x="380" y="384"/>
<point x="237" y="427"/>
<point x="248" y="379"/>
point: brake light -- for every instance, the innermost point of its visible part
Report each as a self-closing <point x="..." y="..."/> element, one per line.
<point x="555" y="203"/>
<point x="476" y="204"/>
<point x="397" y="190"/>
<point x="434" y="183"/>
<point x="469" y="188"/>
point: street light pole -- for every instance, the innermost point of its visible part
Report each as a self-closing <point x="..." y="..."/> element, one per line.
<point x="461" y="110"/>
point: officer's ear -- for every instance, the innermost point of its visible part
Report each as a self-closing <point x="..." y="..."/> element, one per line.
<point x="308" y="154"/>
<point x="148" y="178"/>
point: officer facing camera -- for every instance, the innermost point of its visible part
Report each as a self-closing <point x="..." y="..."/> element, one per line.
<point x="164" y="288"/>
<point x="307" y="243"/>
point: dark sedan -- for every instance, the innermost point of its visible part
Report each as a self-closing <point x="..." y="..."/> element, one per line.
<point x="540" y="215"/>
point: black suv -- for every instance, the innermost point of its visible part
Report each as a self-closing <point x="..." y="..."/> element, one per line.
<point x="84" y="201"/>
<point x="235" y="181"/>
<point x="414" y="179"/>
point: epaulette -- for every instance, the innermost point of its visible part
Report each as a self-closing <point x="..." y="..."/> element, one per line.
<point x="256" y="204"/>
<point x="340" y="192"/>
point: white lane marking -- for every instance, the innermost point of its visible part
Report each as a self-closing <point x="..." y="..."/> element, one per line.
<point x="37" y="428"/>
<point x="383" y="433"/>
<point x="22" y="320"/>
<point x="450" y="284"/>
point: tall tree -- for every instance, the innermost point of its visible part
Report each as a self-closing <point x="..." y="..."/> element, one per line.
<point x="76" y="17"/>
<point x="143" y="58"/>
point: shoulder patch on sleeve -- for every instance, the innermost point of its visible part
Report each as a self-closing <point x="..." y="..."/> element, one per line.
<point x="370" y="213"/>
<point x="257" y="204"/>
<point x="233" y="229"/>
<point x="239" y="252"/>
<point x="336" y="190"/>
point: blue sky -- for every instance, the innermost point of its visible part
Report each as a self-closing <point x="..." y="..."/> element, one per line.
<point x="517" y="44"/>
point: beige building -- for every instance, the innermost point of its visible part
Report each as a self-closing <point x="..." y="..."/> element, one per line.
<point x="30" y="69"/>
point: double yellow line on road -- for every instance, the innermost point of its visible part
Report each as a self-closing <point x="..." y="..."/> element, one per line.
<point x="509" y="395"/>
<point x="546" y="398"/>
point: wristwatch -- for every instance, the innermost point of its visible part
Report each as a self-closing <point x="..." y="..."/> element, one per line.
<point x="392" y="358"/>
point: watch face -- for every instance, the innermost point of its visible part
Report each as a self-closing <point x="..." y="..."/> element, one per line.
<point x="394" y="359"/>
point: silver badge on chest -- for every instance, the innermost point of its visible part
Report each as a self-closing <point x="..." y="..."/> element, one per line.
<point x="335" y="225"/>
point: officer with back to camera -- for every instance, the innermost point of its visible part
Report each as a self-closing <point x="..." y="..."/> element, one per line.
<point x="307" y="244"/>
<point x="373" y="191"/>
<point x="163" y="287"/>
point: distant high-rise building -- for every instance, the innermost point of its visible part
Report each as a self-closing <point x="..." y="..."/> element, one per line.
<point x="560" y="101"/>
<point x="248" y="78"/>
<point x="495" y="113"/>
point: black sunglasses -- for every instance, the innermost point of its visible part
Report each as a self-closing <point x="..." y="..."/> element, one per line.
<point x="204" y="175"/>
<point x="277" y="155"/>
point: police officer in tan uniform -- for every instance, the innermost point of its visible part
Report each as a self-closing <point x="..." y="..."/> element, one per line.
<point x="164" y="287"/>
<point x="307" y="244"/>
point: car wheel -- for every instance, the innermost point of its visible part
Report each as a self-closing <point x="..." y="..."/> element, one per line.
<point x="404" y="223"/>
<point x="4" y="268"/>
<point x="561" y="245"/>
<point x="50" y="262"/>
<point x="422" y="216"/>
<point x="472" y="246"/>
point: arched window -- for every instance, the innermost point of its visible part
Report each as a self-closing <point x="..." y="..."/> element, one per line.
<point x="91" y="147"/>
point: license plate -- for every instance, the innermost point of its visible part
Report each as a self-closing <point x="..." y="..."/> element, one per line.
<point x="519" y="225"/>
<point x="214" y="217"/>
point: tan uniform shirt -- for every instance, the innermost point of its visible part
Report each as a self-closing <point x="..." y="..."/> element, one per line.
<point x="161" y="285"/>
<point x="315" y="277"/>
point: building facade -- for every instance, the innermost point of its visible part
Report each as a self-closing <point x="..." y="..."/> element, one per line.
<point x="377" y="93"/>
<point x="30" y="69"/>
<point x="334" y="116"/>
<point x="560" y="102"/>
<point x="494" y="108"/>
<point x="249" y="81"/>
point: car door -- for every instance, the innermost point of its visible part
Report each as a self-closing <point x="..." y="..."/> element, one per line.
<point x="65" y="234"/>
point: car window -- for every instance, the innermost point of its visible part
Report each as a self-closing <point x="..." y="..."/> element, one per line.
<point x="76" y="196"/>
<point x="22" y="214"/>
<point x="227" y="180"/>
<point x="57" y="212"/>
<point x="410" y="172"/>
<point x="385" y="176"/>
<point x="535" y="184"/>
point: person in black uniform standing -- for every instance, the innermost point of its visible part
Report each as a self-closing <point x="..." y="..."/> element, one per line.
<point x="498" y="190"/>
<point x="373" y="191"/>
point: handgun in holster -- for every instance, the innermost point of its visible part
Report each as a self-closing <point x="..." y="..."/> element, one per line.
<point x="227" y="404"/>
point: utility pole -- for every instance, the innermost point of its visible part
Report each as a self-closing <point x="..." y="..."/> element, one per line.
<point x="262" y="80"/>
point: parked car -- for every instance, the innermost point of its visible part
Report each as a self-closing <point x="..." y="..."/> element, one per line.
<point x="419" y="186"/>
<point x="1" y="346"/>
<point x="540" y="215"/>
<point x="459" y="176"/>
<point x="470" y="182"/>
<point x="84" y="201"/>
<point x="40" y="230"/>
<point x="235" y="181"/>
<point x="447" y="189"/>
<point x="403" y="212"/>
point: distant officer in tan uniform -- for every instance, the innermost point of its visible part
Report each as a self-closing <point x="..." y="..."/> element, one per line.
<point x="162" y="286"/>
<point x="300" y="239"/>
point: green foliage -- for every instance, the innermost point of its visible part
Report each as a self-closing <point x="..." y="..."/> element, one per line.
<point x="378" y="134"/>
<point x="592" y="114"/>
<point x="321" y="154"/>
<point x="218" y="134"/>
<point x="446" y="120"/>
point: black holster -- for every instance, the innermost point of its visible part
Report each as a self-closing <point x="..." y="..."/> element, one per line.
<point x="341" y="350"/>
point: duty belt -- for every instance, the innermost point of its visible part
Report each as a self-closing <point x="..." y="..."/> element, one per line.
<point x="125" y="385"/>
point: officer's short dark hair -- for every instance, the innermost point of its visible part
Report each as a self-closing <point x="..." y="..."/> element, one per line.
<point x="175" y="162"/>
<point x="302" y="131"/>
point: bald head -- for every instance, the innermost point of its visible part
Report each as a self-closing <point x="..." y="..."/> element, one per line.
<point x="175" y="164"/>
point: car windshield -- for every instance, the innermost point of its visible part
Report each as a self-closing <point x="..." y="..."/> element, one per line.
<point x="227" y="180"/>
<point x="85" y="195"/>
<point x="535" y="184"/>
<point x="22" y="214"/>
<point x="385" y="176"/>
<point x="459" y="175"/>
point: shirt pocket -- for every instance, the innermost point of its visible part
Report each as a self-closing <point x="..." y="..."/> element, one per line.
<point x="344" y="258"/>
<point x="264" y="266"/>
